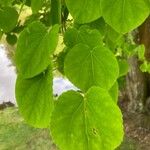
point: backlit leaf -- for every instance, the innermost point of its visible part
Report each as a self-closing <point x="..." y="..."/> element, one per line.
<point x="84" y="11"/>
<point x="35" y="99"/>
<point x="85" y="67"/>
<point x="124" y="15"/>
<point x="34" y="48"/>
<point x="90" y="122"/>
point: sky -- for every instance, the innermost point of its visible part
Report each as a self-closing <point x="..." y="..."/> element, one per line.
<point x="8" y="79"/>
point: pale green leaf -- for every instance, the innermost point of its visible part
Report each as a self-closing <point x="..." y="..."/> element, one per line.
<point x="141" y="52"/>
<point x="90" y="122"/>
<point x="35" y="99"/>
<point x="35" y="45"/>
<point x="85" y="67"/>
<point x="84" y="11"/>
<point x="124" y="15"/>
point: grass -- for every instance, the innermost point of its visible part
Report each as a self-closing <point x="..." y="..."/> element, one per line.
<point x="15" y="134"/>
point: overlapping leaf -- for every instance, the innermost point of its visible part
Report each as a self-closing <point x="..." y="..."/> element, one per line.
<point x="34" y="48"/>
<point x="84" y="11"/>
<point x="8" y="19"/>
<point x="123" y="67"/>
<point x="35" y="99"/>
<point x="36" y="5"/>
<point x="84" y="35"/>
<point x="114" y="92"/>
<point x="86" y="66"/>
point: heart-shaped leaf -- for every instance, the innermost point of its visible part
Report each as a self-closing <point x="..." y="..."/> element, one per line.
<point x="35" y="99"/>
<point x="34" y="48"/>
<point x="85" y="67"/>
<point x="84" y="11"/>
<point x="90" y="122"/>
<point x="124" y="15"/>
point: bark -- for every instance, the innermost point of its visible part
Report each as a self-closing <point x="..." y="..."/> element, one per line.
<point x="135" y="86"/>
<point x="144" y="38"/>
<point x="138" y="83"/>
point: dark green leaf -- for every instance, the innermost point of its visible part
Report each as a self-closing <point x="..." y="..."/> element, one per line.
<point x="8" y="19"/>
<point x="71" y="37"/>
<point x="36" y="5"/>
<point x="11" y="39"/>
<point x="1" y="34"/>
<point x="55" y="13"/>
<point x="85" y="35"/>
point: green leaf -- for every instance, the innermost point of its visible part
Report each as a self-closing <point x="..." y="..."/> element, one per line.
<point x="28" y="2"/>
<point x="6" y="3"/>
<point x="148" y="3"/>
<point x="123" y="67"/>
<point x="85" y="67"/>
<point x="111" y="34"/>
<point x="71" y="37"/>
<point x="11" y="39"/>
<point x="144" y="67"/>
<point x="35" y="45"/>
<point x="90" y="122"/>
<point x="36" y="5"/>
<point x="124" y="15"/>
<point x="35" y="99"/>
<point x="9" y="18"/>
<point x="114" y="92"/>
<point x="85" y="35"/>
<point x="84" y="11"/>
<point x="99" y="24"/>
<point x="141" y="52"/>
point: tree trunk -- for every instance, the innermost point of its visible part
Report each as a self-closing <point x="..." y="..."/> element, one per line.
<point x="138" y="83"/>
<point x="135" y="86"/>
